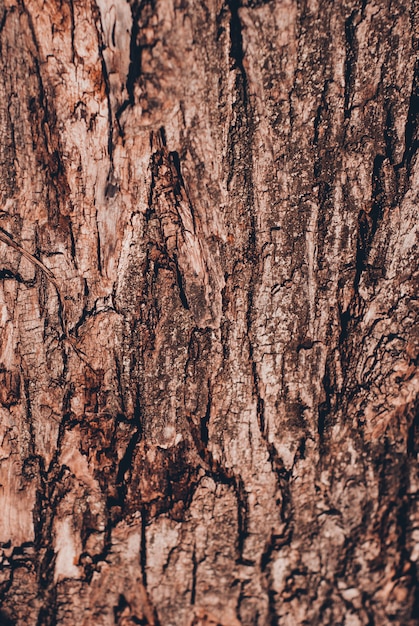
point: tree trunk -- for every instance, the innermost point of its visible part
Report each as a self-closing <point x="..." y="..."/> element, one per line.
<point x="208" y="300"/>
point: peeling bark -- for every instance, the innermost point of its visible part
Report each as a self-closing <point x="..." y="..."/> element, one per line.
<point x="208" y="301"/>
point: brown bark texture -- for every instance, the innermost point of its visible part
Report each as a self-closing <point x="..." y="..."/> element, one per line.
<point x="209" y="335"/>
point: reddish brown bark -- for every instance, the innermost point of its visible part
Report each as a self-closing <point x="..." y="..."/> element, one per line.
<point x="208" y="304"/>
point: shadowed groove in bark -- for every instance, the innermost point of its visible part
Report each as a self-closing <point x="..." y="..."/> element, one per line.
<point x="325" y="407"/>
<point x="142" y="11"/>
<point x="205" y="420"/>
<point x="106" y="80"/>
<point x="180" y="284"/>
<point x="351" y="24"/>
<point x="5" y="620"/>
<point x="369" y="220"/>
<point x="125" y="464"/>
<point x="411" y="129"/>
<point x="236" y="50"/>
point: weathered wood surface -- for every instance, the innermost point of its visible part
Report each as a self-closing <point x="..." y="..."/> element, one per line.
<point x="209" y="417"/>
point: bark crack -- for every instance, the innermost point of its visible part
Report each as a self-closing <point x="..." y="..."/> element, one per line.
<point x="350" y="62"/>
<point x="411" y="127"/>
<point x="105" y="76"/>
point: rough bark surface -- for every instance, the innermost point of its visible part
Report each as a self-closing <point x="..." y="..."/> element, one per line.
<point x="209" y="301"/>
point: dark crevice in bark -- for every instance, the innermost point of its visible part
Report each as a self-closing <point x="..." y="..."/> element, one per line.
<point x="345" y="319"/>
<point x="139" y="9"/>
<point x="350" y="61"/>
<point x="98" y="251"/>
<point x="86" y="313"/>
<point x="412" y="122"/>
<point x="412" y="440"/>
<point x="122" y="609"/>
<point x="119" y="608"/>
<point x="178" y="178"/>
<point x="112" y="187"/>
<point x="272" y="600"/>
<point x="5" y="619"/>
<point x="274" y="545"/>
<point x="242" y="518"/>
<point x="369" y="220"/>
<point x="205" y="420"/>
<point x="324" y="408"/>
<point x="121" y="394"/>
<point x="240" y="599"/>
<point x="236" y="49"/>
<point x="283" y="477"/>
<point x="194" y="572"/>
<point x="72" y="245"/>
<point x="126" y="463"/>
<point x="200" y="438"/>
<point x="219" y="474"/>
<point x="48" y="613"/>
<point x="260" y="403"/>
<point x="73" y="30"/>
<point x="134" y="71"/>
<point x="7" y="584"/>
<point x="180" y="284"/>
<point x="241" y="135"/>
<point x="378" y="196"/>
<point x="6" y="274"/>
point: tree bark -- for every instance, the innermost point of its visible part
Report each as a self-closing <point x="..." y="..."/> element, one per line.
<point x="208" y="300"/>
